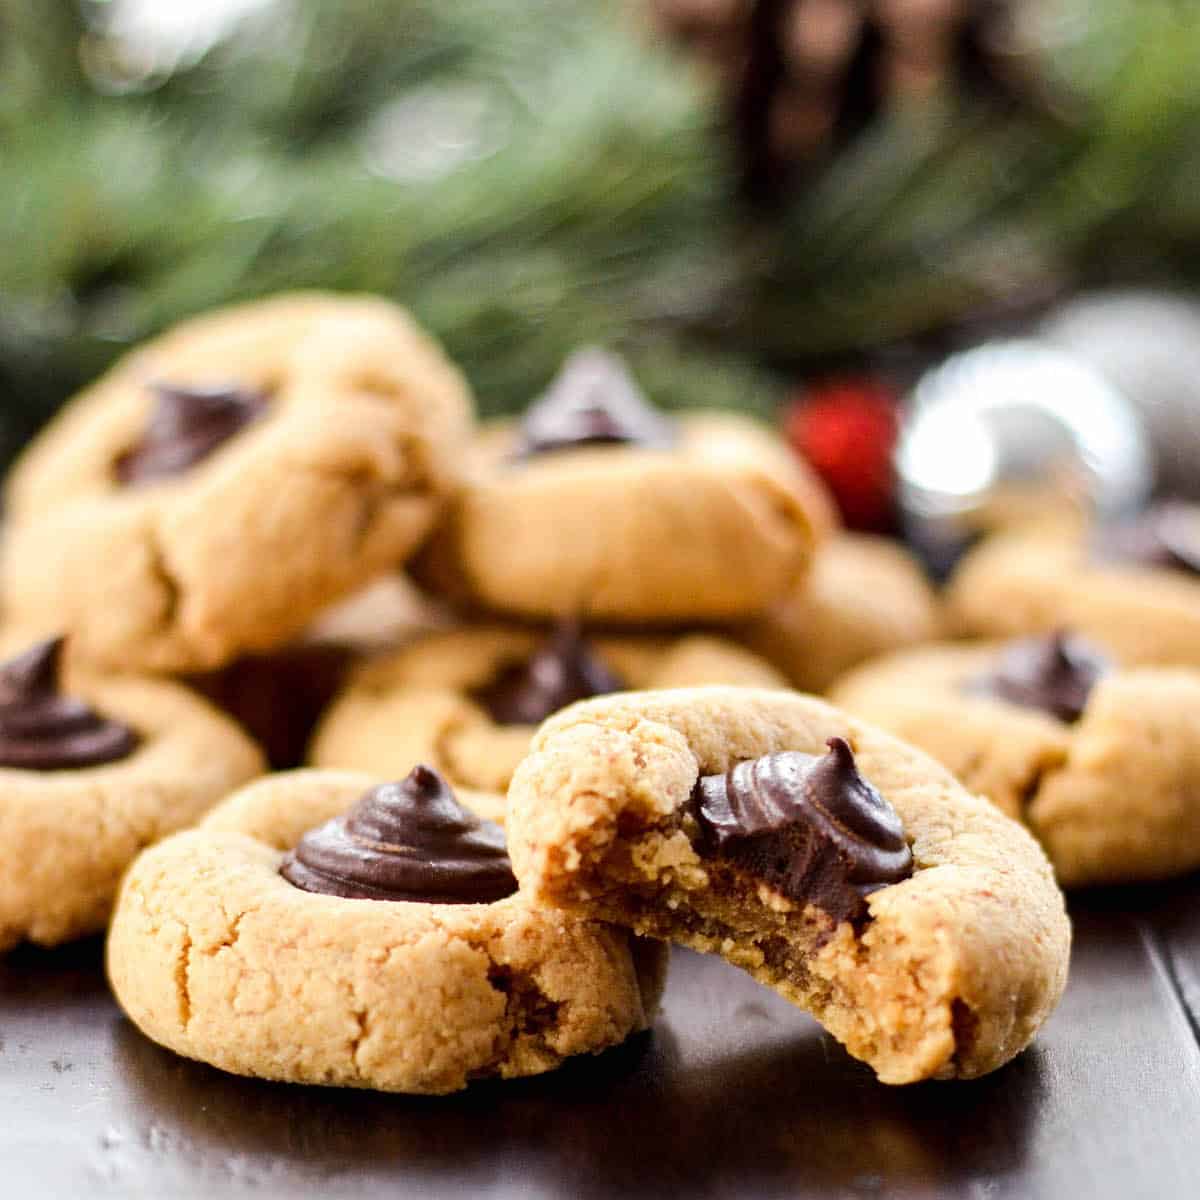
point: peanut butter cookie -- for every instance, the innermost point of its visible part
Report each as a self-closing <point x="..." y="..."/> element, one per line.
<point x="1101" y="763"/>
<point x="600" y="507"/>
<point x="864" y="597"/>
<point x="91" y="771"/>
<point x="223" y="485"/>
<point x="322" y="928"/>
<point x="1132" y="588"/>
<point x="847" y="871"/>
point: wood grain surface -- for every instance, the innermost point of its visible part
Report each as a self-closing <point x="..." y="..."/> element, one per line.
<point x="734" y="1093"/>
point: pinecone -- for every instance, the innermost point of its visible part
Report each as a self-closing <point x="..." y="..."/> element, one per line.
<point x="802" y="77"/>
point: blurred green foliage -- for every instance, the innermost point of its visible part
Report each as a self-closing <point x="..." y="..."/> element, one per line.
<point x="925" y="221"/>
<point x="528" y="175"/>
<point x="592" y="217"/>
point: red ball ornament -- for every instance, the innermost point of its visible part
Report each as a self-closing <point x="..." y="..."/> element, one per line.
<point x="846" y="429"/>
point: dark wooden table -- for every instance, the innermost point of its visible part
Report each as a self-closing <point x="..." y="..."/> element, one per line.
<point x="734" y="1093"/>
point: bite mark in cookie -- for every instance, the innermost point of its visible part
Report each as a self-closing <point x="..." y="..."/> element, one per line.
<point x="919" y="925"/>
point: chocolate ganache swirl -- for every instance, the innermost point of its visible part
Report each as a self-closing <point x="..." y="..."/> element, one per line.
<point x="187" y="425"/>
<point x="43" y="730"/>
<point x="1054" y="673"/>
<point x="810" y="827"/>
<point x="1166" y="535"/>
<point x="405" y="841"/>
<point x="593" y="401"/>
<point x="559" y="672"/>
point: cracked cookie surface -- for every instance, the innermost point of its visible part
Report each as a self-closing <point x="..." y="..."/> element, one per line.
<point x="715" y="527"/>
<point x="1113" y="797"/>
<point x="955" y="968"/>
<point x="419" y="705"/>
<point x="69" y="834"/>
<point x="337" y="481"/>
<point x="213" y="954"/>
<point x="864" y="597"/>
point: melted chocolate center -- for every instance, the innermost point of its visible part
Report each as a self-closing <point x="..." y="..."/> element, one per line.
<point x="562" y="670"/>
<point x="1166" y="535"/>
<point x="43" y="730"/>
<point x="593" y="401"/>
<point x="405" y="841"/>
<point x="1054" y="673"/>
<point x="809" y="827"/>
<point x="187" y="425"/>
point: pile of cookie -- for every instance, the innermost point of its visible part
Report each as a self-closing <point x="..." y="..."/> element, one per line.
<point x="347" y="826"/>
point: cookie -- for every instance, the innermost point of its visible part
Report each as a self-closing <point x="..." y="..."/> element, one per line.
<point x="223" y="485"/>
<point x="1134" y="589"/>
<point x="864" y="596"/>
<point x="847" y="871"/>
<point x="468" y="701"/>
<point x="92" y="771"/>
<point x="600" y="507"/>
<point x="1101" y="763"/>
<point x="381" y="947"/>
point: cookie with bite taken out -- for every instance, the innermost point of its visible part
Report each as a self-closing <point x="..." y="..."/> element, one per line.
<point x="840" y="867"/>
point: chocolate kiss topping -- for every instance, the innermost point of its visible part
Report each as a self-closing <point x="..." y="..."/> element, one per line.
<point x="405" y="841"/>
<point x="1053" y="673"/>
<point x="811" y="828"/>
<point x="187" y="425"/>
<point x="562" y="670"/>
<point x="43" y="730"/>
<point x="1166" y="535"/>
<point x="592" y="401"/>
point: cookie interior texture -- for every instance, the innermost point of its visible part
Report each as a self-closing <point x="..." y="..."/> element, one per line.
<point x="946" y="977"/>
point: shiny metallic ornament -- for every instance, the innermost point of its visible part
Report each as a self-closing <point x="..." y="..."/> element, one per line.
<point x="1147" y="344"/>
<point x="1011" y="431"/>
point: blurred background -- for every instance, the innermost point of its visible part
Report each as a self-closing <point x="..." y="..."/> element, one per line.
<point x="796" y="207"/>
